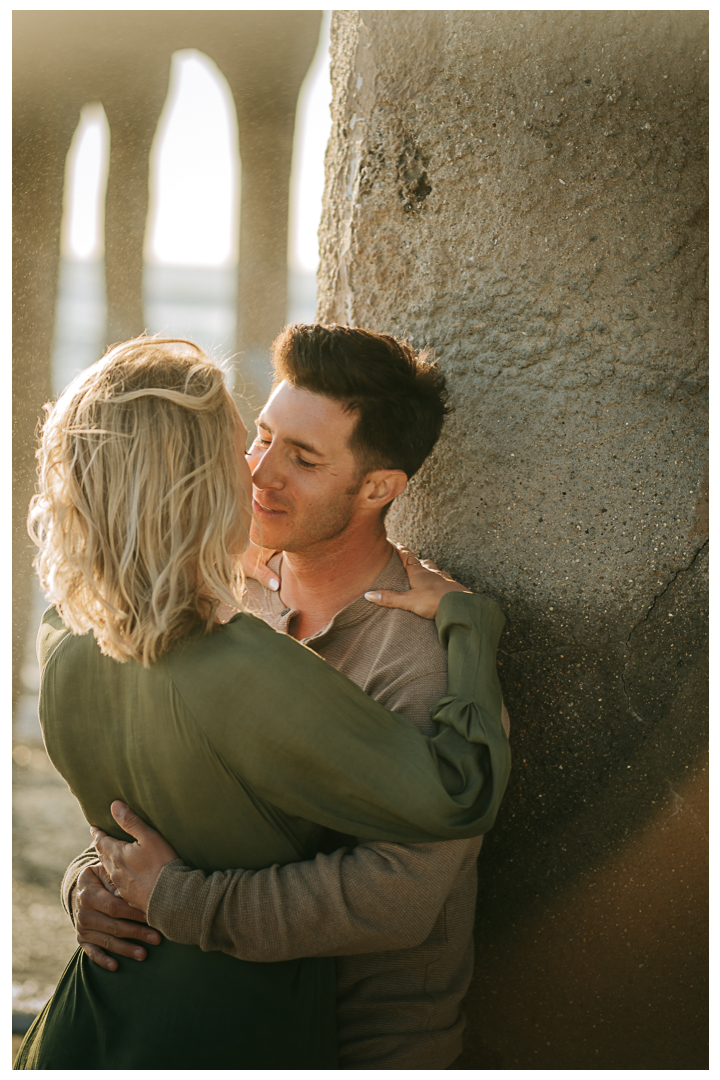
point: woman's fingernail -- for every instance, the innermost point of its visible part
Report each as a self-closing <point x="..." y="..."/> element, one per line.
<point x="274" y="584"/>
<point x="116" y="892"/>
<point x="372" y="595"/>
<point x="139" y="954"/>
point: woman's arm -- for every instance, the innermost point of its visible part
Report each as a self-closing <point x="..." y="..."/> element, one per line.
<point x="310" y="742"/>
<point x="374" y="897"/>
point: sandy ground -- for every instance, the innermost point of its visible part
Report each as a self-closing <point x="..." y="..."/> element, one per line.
<point x="48" y="831"/>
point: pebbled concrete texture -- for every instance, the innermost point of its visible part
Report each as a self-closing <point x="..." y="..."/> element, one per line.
<point x="526" y="193"/>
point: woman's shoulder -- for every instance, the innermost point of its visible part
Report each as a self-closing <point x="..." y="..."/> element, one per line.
<point x="51" y="635"/>
<point x="245" y="640"/>
<point x="242" y="660"/>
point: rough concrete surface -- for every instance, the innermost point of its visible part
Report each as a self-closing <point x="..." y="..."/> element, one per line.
<point x="526" y="192"/>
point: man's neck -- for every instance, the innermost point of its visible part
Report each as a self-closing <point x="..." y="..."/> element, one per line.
<point x="320" y="583"/>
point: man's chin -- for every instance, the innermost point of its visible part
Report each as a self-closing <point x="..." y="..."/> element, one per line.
<point x="290" y="536"/>
<point x="264" y="537"/>
<point x="259" y="536"/>
<point x="280" y="540"/>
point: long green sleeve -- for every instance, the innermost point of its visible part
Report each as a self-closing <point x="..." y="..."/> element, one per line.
<point x="318" y="748"/>
<point x="241" y="745"/>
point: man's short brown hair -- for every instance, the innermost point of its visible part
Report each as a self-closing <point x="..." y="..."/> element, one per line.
<point x="399" y="394"/>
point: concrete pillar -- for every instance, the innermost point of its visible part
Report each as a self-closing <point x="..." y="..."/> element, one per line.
<point x="133" y="110"/>
<point x="526" y="193"/>
<point x="41" y="138"/>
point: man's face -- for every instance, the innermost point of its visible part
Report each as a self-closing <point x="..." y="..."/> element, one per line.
<point x="305" y="479"/>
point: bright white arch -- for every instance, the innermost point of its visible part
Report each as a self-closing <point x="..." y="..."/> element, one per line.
<point x="312" y="131"/>
<point x="86" y="173"/>
<point x="194" y="170"/>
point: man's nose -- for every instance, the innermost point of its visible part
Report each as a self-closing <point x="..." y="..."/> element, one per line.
<point x="265" y="470"/>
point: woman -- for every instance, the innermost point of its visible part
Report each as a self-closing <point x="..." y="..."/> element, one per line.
<point x="239" y="745"/>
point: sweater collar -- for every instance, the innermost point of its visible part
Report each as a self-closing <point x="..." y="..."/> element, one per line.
<point x="393" y="577"/>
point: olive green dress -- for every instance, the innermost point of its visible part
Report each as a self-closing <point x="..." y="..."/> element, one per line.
<point x="243" y="748"/>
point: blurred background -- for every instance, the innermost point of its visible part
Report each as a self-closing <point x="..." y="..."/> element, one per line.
<point x="192" y="249"/>
<point x="193" y="227"/>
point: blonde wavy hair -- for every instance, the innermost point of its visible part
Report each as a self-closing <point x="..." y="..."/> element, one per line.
<point x="141" y="511"/>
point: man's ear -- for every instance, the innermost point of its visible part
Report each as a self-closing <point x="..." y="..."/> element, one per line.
<point x="381" y="486"/>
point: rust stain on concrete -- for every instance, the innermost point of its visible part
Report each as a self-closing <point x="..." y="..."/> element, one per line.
<point x="702" y="508"/>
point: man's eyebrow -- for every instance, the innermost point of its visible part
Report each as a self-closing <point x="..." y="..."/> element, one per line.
<point x="307" y="447"/>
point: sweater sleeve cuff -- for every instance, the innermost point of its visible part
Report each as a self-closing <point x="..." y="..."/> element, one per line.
<point x="170" y="908"/>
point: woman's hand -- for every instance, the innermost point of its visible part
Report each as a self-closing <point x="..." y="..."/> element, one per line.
<point x="428" y="585"/>
<point x="254" y="563"/>
<point x="134" y="868"/>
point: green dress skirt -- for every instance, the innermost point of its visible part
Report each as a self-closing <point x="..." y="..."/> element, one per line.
<point x="185" y="1009"/>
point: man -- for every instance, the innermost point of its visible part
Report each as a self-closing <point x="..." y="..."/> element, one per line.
<point x="352" y="416"/>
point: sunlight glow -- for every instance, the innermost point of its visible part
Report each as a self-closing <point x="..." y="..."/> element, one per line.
<point x="86" y="172"/>
<point x="312" y="131"/>
<point x="194" y="170"/>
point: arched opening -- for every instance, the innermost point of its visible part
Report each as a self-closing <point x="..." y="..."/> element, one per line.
<point x="194" y="170"/>
<point x="191" y="241"/>
<point x="80" y="309"/>
<point x="191" y="245"/>
<point x="312" y="131"/>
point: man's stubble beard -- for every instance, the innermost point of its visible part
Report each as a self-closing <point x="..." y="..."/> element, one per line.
<point x="313" y="528"/>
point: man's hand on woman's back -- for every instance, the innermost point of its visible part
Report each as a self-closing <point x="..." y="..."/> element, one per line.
<point x="104" y="921"/>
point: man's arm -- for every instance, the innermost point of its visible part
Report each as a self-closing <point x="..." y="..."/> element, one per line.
<point x="375" y="897"/>
<point x="378" y="896"/>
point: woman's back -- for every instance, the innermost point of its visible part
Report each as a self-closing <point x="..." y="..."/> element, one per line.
<point x="168" y="739"/>
<point x="241" y="744"/>
<point x="232" y="743"/>
<point x="124" y="731"/>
